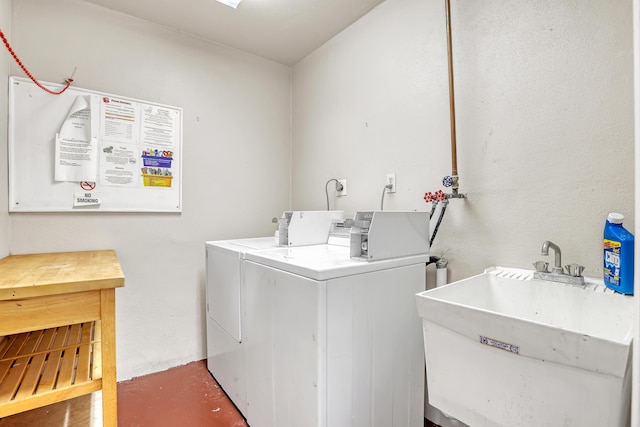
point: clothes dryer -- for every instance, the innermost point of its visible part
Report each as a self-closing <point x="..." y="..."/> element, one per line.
<point x="224" y="272"/>
<point x="224" y="294"/>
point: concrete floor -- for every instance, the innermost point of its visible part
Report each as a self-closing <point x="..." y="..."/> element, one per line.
<point x="182" y="396"/>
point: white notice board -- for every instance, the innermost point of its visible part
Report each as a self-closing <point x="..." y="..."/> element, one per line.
<point x="85" y="151"/>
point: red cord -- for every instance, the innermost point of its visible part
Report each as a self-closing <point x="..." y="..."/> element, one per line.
<point x="67" y="81"/>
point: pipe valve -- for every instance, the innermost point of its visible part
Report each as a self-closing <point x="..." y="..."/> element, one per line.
<point x="438" y="196"/>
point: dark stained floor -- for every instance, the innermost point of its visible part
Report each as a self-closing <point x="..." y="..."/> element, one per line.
<point x="182" y="396"/>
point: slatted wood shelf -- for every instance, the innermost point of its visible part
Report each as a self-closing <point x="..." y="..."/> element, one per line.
<point x="57" y="329"/>
<point x="35" y="363"/>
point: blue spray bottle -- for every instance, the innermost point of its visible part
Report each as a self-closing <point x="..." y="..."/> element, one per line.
<point x="618" y="255"/>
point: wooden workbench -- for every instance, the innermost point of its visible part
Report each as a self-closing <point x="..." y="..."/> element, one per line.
<point x="57" y="329"/>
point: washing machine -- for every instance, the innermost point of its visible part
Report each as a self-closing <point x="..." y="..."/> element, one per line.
<point x="331" y="336"/>
<point x="224" y="294"/>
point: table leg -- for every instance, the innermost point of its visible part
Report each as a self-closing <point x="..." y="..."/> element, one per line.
<point x="109" y="384"/>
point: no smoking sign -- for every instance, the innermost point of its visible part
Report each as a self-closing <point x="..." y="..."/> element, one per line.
<point x="87" y="186"/>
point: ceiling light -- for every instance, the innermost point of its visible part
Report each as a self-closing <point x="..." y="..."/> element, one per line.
<point x="231" y="3"/>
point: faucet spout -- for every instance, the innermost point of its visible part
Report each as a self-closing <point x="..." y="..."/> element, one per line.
<point x="556" y="249"/>
<point x="557" y="275"/>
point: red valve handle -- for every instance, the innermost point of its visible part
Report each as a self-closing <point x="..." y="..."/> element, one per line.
<point x="438" y="196"/>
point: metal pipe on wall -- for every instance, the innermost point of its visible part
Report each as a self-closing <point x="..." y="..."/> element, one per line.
<point x="452" y="102"/>
<point x="452" y="110"/>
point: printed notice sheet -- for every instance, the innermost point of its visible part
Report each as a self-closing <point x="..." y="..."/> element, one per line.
<point x="119" y="164"/>
<point x="76" y="143"/>
<point x="159" y="126"/>
<point x="159" y="135"/>
<point x="119" y="120"/>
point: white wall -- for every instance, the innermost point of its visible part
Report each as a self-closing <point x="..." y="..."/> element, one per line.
<point x="544" y="97"/>
<point x="635" y="382"/>
<point x="545" y="139"/>
<point x="236" y="164"/>
<point x="5" y="64"/>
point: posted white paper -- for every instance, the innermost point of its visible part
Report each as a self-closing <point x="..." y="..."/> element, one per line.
<point x="119" y="120"/>
<point x="119" y="164"/>
<point x="86" y="199"/>
<point x="76" y="146"/>
<point x="159" y="127"/>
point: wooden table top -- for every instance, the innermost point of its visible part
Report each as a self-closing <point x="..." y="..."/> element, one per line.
<point x="31" y="275"/>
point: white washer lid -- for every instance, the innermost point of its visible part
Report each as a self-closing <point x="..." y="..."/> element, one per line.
<point x="323" y="262"/>
<point x="242" y="246"/>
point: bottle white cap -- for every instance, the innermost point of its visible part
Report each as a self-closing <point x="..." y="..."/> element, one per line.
<point x="615" y="218"/>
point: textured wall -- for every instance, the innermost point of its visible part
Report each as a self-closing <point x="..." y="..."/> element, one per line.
<point x="544" y="97"/>
<point x="545" y="139"/>
<point x="236" y="164"/>
<point x="5" y="64"/>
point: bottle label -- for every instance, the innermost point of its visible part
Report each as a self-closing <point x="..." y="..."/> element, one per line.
<point x="612" y="262"/>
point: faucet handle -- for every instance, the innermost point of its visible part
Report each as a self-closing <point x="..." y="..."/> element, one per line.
<point x="541" y="266"/>
<point x="574" y="270"/>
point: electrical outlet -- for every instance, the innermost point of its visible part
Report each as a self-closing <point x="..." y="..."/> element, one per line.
<point x="342" y="192"/>
<point x="391" y="179"/>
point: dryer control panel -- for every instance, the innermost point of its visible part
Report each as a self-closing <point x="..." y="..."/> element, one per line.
<point x="377" y="235"/>
<point x="301" y="228"/>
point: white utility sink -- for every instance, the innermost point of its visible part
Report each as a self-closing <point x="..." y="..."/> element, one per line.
<point x="504" y="349"/>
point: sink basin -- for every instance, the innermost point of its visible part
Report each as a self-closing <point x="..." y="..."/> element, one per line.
<point x="504" y="349"/>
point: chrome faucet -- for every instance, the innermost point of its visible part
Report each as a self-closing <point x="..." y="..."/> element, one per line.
<point x="557" y="269"/>
<point x="557" y="275"/>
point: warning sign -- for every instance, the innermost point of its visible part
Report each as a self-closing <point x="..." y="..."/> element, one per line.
<point x="87" y="186"/>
